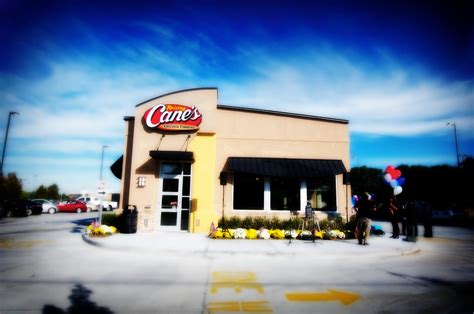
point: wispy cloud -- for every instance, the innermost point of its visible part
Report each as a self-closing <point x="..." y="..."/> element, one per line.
<point x="81" y="102"/>
<point x="393" y="100"/>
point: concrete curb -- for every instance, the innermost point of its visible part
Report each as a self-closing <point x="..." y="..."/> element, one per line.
<point x="86" y="239"/>
<point x="211" y="250"/>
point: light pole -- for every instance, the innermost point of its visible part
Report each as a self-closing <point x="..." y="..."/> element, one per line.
<point x="101" y="184"/>
<point x="102" y="161"/>
<point x="6" y="138"/>
<point x="456" y="140"/>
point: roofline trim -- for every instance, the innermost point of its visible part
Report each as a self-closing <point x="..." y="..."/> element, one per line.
<point x="176" y="92"/>
<point x="282" y="113"/>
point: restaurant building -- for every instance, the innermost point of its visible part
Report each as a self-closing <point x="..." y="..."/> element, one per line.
<point x="188" y="161"/>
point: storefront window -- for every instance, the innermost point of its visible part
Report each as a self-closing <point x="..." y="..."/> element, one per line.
<point x="170" y="185"/>
<point x="248" y="191"/>
<point x="168" y="201"/>
<point x="170" y="168"/>
<point x="322" y="193"/>
<point x="285" y="194"/>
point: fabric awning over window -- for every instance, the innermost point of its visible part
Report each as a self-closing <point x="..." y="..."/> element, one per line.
<point x="283" y="167"/>
<point x="171" y="155"/>
<point x="116" y="168"/>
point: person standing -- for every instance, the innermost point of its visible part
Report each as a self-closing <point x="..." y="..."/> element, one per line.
<point x="393" y="215"/>
<point x="412" y="228"/>
<point x="427" y="223"/>
<point x="365" y="208"/>
<point x="403" y="217"/>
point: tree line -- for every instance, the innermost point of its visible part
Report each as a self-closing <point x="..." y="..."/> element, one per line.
<point x="442" y="186"/>
<point x="11" y="187"/>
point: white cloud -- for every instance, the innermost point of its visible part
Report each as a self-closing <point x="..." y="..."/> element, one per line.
<point x="388" y="101"/>
<point x="82" y="102"/>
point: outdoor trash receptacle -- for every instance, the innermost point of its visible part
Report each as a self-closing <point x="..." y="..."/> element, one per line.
<point x="130" y="219"/>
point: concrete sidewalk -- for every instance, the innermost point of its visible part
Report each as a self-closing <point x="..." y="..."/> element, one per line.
<point x="177" y="242"/>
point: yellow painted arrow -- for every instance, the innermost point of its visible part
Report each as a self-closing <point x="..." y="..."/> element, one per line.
<point x="344" y="297"/>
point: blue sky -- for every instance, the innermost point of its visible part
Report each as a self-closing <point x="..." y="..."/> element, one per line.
<point x="397" y="70"/>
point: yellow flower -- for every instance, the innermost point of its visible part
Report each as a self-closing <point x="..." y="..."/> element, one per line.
<point x="228" y="234"/>
<point x="217" y="234"/>
<point x="277" y="234"/>
<point x="251" y="234"/>
<point x="318" y="234"/>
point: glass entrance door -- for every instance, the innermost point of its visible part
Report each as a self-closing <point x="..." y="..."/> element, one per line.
<point x="174" y="195"/>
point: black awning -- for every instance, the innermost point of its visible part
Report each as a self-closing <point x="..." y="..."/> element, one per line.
<point x="171" y="155"/>
<point x="116" y="167"/>
<point x="283" y="167"/>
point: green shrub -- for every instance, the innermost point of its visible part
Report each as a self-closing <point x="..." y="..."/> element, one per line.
<point x="260" y="222"/>
<point x="292" y="223"/>
<point x="223" y="223"/>
<point x="351" y="225"/>
<point x="111" y="219"/>
<point x="247" y="223"/>
<point x="324" y="225"/>
<point x="275" y="223"/>
<point x="234" y="222"/>
<point x="283" y="224"/>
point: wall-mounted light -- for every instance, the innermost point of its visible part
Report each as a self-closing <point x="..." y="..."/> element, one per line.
<point x="141" y="181"/>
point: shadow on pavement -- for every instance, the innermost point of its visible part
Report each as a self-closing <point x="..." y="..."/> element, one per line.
<point x="80" y="224"/>
<point x="80" y="303"/>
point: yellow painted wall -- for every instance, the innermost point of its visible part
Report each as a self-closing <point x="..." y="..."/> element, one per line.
<point x="204" y="179"/>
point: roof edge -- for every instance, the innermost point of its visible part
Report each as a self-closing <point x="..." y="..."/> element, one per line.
<point x="283" y="113"/>
<point x="176" y="92"/>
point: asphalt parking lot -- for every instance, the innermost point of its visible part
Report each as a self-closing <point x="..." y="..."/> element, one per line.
<point x="47" y="265"/>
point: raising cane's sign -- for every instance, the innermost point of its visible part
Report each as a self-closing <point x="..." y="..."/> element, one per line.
<point x="171" y="117"/>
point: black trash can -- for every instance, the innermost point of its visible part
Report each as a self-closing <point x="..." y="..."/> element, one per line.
<point x="129" y="219"/>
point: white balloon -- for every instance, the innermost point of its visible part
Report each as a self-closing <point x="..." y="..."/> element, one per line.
<point x="397" y="190"/>
<point x="387" y="177"/>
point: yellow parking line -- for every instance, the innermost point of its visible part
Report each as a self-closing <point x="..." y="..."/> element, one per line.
<point x="17" y="244"/>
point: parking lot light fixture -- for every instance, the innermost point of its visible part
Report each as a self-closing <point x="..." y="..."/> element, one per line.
<point x="102" y="161"/>
<point x="456" y="141"/>
<point x="10" y="114"/>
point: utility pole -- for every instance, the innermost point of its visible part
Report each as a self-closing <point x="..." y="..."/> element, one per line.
<point x="102" y="161"/>
<point x="102" y="192"/>
<point x="10" y="114"/>
<point x="456" y="141"/>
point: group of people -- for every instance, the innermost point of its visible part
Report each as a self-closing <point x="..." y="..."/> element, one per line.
<point x="406" y="213"/>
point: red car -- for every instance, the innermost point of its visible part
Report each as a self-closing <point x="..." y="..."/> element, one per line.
<point x="72" y="207"/>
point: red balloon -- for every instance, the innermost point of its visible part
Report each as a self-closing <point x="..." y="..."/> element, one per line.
<point x="389" y="169"/>
<point x="396" y="174"/>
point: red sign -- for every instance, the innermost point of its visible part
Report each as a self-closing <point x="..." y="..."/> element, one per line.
<point x="171" y="117"/>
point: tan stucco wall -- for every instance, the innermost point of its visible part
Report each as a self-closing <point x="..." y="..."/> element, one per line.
<point x="248" y="134"/>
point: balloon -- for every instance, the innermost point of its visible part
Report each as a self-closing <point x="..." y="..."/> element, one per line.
<point x="355" y="198"/>
<point x="401" y="181"/>
<point x="397" y="190"/>
<point x="394" y="183"/>
<point x="389" y="168"/>
<point x="396" y="174"/>
<point x="388" y="178"/>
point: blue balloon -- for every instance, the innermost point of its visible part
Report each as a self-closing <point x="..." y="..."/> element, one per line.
<point x="401" y="181"/>
<point x="355" y="198"/>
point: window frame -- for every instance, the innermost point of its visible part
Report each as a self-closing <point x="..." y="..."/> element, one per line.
<point x="304" y="182"/>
